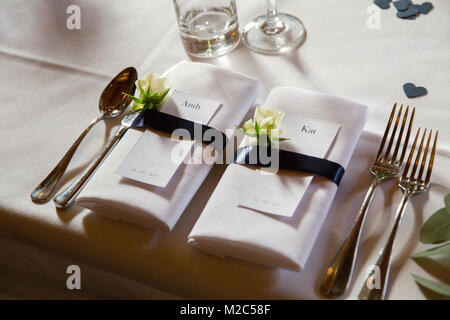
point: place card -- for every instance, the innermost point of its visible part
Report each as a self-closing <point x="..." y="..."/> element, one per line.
<point x="280" y="193"/>
<point x="191" y="107"/>
<point x="155" y="157"/>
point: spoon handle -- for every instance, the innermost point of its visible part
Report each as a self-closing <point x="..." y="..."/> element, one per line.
<point x="45" y="188"/>
<point x="66" y="198"/>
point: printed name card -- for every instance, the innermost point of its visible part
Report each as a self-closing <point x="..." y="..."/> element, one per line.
<point x="280" y="193"/>
<point x="155" y="158"/>
<point x="191" y="107"/>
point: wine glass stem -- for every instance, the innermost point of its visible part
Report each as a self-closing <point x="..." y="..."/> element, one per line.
<point x="273" y="24"/>
<point x="271" y="9"/>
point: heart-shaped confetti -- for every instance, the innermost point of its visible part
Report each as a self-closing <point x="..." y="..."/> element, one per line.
<point x="411" y="11"/>
<point x="383" y="4"/>
<point x="412" y="91"/>
<point x="405" y="8"/>
<point x="401" y="5"/>
<point x="413" y="17"/>
<point x="425" y="7"/>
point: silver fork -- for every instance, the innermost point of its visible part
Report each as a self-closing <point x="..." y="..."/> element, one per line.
<point x="410" y="184"/>
<point x="386" y="166"/>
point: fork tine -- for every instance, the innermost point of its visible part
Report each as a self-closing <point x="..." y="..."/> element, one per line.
<point x="424" y="157"/>
<point x="400" y="135"/>
<point x="430" y="164"/>
<point x="408" y="163"/>
<point x="408" y="134"/>
<point x="394" y="131"/>
<point x="386" y="132"/>
<point x="419" y="152"/>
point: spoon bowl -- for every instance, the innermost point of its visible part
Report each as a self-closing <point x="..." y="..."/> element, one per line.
<point x="112" y="100"/>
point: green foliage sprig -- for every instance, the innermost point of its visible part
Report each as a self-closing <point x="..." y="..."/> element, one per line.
<point x="436" y="230"/>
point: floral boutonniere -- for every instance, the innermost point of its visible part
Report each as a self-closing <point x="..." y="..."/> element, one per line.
<point x="265" y="125"/>
<point x="153" y="93"/>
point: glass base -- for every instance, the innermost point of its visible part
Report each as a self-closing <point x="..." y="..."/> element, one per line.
<point x="288" y="34"/>
<point x="211" y="48"/>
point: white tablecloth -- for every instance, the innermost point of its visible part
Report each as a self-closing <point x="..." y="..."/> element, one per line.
<point x="51" y="80"/>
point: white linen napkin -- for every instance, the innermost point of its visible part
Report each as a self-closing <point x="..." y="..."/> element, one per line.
<point x="226" y="229"/>
<point x="124" y="199"/>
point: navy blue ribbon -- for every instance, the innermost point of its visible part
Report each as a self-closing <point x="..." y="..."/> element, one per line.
<point x="151" y="119"/>
<point x="250" y="155"/>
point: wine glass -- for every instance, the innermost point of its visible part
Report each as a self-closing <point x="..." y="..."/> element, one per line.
<point x="273" y="33"/>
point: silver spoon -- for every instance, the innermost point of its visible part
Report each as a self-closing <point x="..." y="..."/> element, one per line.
<point x="111" y="104"/>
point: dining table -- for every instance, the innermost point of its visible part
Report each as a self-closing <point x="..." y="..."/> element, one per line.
<point x="52" y="78"/>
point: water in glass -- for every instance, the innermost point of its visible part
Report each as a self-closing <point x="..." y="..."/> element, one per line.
<point x="208" y="32"/>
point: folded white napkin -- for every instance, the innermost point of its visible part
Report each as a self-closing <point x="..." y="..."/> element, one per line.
<point x="124" y="199"/>
<point x="226" y="229"/>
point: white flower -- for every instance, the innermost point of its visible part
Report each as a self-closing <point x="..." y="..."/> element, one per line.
<point x="152" y="91"/>
<point x="249" y="128"/>
<point x="156" y="83"/>
<point x="268" y="118"/>
<point x="266" y="122"/>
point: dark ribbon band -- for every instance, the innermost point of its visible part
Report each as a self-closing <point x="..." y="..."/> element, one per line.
<point x="151" y="119"/>
<point x="252" y="155"/>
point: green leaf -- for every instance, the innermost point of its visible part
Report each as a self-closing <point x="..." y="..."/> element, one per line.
<point x="156" y="100"/>
<point x="437" y="287"/>
<point x="137" y="108"/>
<point x="163" y="96"/>
<point x="137" y="100"/>
<point x="436" y="251"/>
<point x="141" y="90"/>
<point x="437" y="228"/>
<point x="269" y="142"/>
<point x="257" y="127"/>
<point x="150" y="106"/>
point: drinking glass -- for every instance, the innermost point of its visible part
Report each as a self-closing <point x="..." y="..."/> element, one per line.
<point x="273" y="33"/>
<point x="207" y="28"/>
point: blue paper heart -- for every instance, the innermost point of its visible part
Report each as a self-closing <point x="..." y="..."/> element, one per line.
<point x="412" y="91"/>
<point x="402" y="5"/>
<point x="411" y="11"/>
<point x="425" y="7"/>
<point x="383" y="4"/>
<point x="413" y="17"/>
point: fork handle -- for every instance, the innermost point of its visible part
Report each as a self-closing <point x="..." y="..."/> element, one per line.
<point x="45" y="188"/>
<point x="374" y="287"/>
<point x="339" y="273"/>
